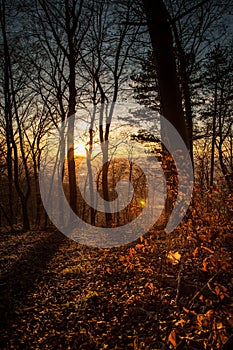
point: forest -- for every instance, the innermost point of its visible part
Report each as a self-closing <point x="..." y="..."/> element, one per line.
<point x="116" y="174"/>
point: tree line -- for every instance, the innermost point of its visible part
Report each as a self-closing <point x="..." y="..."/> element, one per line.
<point x="59" y="56"/>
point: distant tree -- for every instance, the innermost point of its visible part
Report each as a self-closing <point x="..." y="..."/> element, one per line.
<point x="111" y="41"/>
<point x="217" y="111"/>
<point x="145" y="85"/>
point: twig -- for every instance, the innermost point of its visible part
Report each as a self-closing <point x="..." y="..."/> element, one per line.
<point x="201" y="290"/>
<point x="179" y="284"/>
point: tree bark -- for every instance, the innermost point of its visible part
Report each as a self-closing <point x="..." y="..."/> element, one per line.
<point x="71" y="112"/>
<point x="162" y="43"/>
<point x="169" y="93"/>
<point x="10" y="104"/>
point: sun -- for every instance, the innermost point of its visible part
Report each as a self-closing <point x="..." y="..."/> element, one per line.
<point x="80" y="150"/>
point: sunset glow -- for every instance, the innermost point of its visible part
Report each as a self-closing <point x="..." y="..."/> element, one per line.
<point x="80" y="150"/>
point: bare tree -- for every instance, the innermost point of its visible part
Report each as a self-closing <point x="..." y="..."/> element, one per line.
<point x="64" y="27"/>
<point x="111" y="42"/>
<point x="217" y="113"/>
<point x="16" y="102"/>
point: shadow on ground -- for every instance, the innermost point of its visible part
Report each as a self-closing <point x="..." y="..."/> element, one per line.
<point x="20" y="276"/>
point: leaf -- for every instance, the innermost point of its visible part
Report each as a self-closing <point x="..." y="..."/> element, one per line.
<point x="181" y="322"/>
<point x="209" y="314"/>
<point x="148" y="269"/>
<point x="150" y="285"/>
<point x="219" y="325"/>
<point x="200" y="318"/>
<point x="195" y="252"/>
<point x="224" y="289"/>
<point x="203" y="237"/>
<point x="217" y="290"/>
<point x="131" y="252"/>
<point x="207" y="249"/>
<point x="108" y="270"/>
<point x="186" y="310"/>
<point x="174" y="257"/>
<point x="139" y="246"/>
<point x="172" y="338"/>
<point x="205" y="263"/>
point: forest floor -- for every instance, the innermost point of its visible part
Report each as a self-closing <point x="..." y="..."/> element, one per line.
<point x="161" y="292"/>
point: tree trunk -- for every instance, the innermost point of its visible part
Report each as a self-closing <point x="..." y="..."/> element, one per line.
<point x="162" y="43"/>
<point x="10" y="103"/>
<point x="8" y="116"/>
<point x="213" y="137"/>
<point x="185" y="84"/>
<point x="70" y="138"/>
<point x="169" y="93"/>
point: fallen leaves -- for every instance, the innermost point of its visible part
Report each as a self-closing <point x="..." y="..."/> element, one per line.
<point x="118" y="298"/>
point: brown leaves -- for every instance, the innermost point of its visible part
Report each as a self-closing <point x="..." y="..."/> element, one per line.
<point x="221" y="291"/>
<point x="124" y="297"/>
